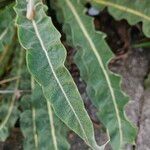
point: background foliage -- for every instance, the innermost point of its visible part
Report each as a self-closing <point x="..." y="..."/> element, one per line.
<point x="39" y="93"/>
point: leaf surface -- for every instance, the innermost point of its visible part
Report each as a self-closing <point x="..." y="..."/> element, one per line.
<point x="133" y="12"/>
<point x="92" y="57"/>
<point x="6" y="26"/>
<point x="9" y="112"/>
<point x="41" y="128"/>
<point x="45" y="60"/>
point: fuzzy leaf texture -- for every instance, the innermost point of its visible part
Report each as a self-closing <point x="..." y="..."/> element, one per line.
<point x="9" y="112"/>
<point x="133" y="11"/>
<point x="45" y="60"/>
<point x="92" y="57"/>
<point x="40" y="126"/>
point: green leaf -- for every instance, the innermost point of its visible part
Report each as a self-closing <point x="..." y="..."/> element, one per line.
<point x="5" y="56"/>
<point x="133" y="12"/>
<point x="8" y="106"/>
<point x="141" y="45"/>
<point x="147" y="82"/>
<point x="45" y="60"/>
<point x="92" y="57"/>
<point x="4" y="3"/>
<point x="7" y="37"/>
<point x="7" y="28"/>
<point x="40" y="126"/>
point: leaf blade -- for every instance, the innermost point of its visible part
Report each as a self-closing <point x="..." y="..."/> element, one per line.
<point x="39" y="122"/>
<point x="46" y="54"/>
<point x="103" y="86"/>
<point x="8" y="110"/>
<point x="132" y="12"/>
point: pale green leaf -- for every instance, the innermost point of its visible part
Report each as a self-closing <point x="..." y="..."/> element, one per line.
<point x="92" y="57"/>
<point x="45" y="60"/>
<point x="40" y="126"/>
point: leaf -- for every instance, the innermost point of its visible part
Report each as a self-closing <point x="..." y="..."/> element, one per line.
<point x="93" y="54"/>
<point x="7" y="28"/>
<point x="7" y="37"/>
<point x="147" y="82"/>
<point x="5" y="57"/>
<point x="8" y="105"/>
<point x="45" y="60"/>
<point x="133" y="12"/>
<point x="4" y="3"/>
<point x="41" y="128"/>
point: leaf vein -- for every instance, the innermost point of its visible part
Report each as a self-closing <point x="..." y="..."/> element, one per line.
<point x="100" y="63"/>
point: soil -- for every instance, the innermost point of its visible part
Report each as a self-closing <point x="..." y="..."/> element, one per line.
<point x="132" y="64"/>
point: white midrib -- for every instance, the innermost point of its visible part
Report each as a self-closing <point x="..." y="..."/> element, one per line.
<point x="100" y="63"/>
<point x="123" y="8"/>
<point x="55" y="76"/>
<point x="9" y="112"/>
<point x="34" y="129"/>
<point x="3" y="33"/>
<point x="50" y="114"/>
<point x="35" y="136"/>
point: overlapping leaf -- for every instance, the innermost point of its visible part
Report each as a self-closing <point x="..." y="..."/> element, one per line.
<point x="8" y="104"/>
<point x="45" y="60"/>
<point x="147" y="82"/>
<point x="6" y="27"/>
<point x="133" y="11"/>
<point x="5" y="57"/>
<point x="4" y="3"/>
<point x="40" y="126"/>
<point x="92" y="57"/>
<point x="7" y="40"/>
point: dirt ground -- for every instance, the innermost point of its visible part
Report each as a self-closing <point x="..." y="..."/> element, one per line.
<point x="133" y="64"/>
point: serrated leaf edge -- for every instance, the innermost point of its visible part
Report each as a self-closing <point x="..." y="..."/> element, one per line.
<point x="123" y="8"/>
<point x="101" y="65"/>
<point x="55" y="76"/>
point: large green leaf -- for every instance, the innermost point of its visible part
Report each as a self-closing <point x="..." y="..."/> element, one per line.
<point x="40" y="126"/>
<point x="134" y="11"/>
<point x="92" y="57"/>
<point x="45" y="60"/>
<point x="8" y="105"/>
